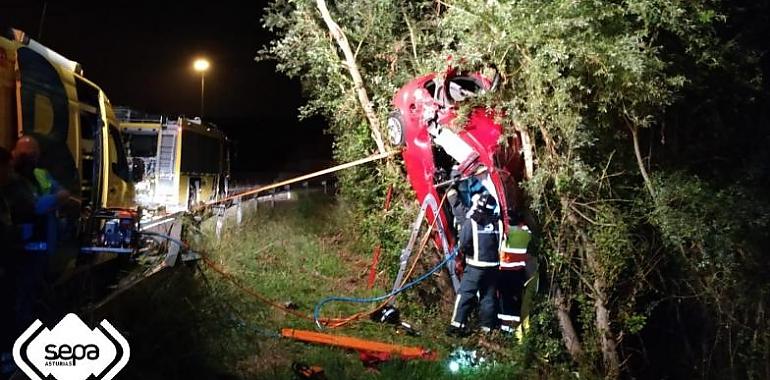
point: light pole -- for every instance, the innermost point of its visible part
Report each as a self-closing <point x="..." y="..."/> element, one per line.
<point x="201" y="65"/>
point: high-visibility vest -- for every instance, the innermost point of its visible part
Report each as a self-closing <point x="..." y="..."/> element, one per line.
<point x="44" y="183"/>
<point x="513" y="255"/>
<point x="40" y="236"/>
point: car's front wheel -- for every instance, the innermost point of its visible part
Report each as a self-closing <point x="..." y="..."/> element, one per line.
<point x="396" y="128"/>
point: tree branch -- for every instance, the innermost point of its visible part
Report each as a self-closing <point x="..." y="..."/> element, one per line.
<point x="358" y="82"/>
<point x="412" y="39"/>
<point x="639" y="160"/>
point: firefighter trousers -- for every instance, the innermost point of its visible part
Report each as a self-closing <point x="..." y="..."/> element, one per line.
<point x="510" y="289"/>
<point x="481" y="281"/>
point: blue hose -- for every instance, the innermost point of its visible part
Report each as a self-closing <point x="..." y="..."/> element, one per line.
<point x="319" y="305"/>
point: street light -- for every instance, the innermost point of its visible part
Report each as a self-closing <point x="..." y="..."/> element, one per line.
<point x="201" y="65"/>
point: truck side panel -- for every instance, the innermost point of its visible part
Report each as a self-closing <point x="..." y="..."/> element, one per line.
<point x="44" y="106"/>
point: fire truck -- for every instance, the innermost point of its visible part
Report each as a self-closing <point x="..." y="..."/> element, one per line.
<point x="185" y="161"/>
<point x="45" y="95"/>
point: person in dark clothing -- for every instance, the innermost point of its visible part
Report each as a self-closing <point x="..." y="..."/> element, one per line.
<point x="34" y="198"/>
<point x="479" y="243"/>
<point x="7" y="292"/>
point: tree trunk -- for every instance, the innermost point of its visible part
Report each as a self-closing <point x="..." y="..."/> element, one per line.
<point x="568" y="333"/>
<point x="358" y="82"/>
<point x="607" y="340"/>
<point x="528" y="149"/>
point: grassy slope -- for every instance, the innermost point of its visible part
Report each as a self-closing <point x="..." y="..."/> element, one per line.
<point x="302" y="252"/>
<point x="191" y="324"/>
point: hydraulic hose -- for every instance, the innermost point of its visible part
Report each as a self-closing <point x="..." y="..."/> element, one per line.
<point x="319" y="305"/>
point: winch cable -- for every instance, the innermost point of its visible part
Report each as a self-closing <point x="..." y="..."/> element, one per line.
<point x="230" y="278"/>
<point x="260" y="189"/>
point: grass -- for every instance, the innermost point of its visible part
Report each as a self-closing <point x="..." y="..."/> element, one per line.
<point x="194" y="324"/>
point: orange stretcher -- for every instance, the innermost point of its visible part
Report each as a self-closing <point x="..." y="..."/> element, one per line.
<point x="367" y="348"/>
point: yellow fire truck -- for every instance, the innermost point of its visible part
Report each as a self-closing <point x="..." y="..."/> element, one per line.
<point x="45" y="95"/>
<point x="184" y="161"/>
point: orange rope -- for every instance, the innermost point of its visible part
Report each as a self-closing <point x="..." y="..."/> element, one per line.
<point x="229" y="277"/>
<point x="328" y="322"/>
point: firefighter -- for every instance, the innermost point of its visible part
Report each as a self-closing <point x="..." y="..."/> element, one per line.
<point x="513" y="263"/>
<point x="480" y="239"/>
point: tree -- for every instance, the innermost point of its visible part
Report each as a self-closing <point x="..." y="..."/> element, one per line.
<point x="597" y="87"/>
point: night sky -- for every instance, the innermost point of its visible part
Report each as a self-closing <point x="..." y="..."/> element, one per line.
<point x="141" y="55"/>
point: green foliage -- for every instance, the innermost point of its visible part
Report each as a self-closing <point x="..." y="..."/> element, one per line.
<point x="580" y="78"/>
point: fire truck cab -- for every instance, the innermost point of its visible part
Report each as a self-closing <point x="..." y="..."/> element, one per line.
<point x="185" y="161"/>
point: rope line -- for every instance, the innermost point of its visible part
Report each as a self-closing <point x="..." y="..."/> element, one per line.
<point x="319" y="173"/>
<point x="258" y="296"/>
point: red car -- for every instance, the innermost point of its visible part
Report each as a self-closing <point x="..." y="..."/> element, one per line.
<point x="433" y="147"/>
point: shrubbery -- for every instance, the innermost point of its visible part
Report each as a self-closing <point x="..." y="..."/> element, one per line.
<point x="645" y="115"/>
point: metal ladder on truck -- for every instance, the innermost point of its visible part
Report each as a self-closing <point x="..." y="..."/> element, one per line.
<point x="167" y="180"/>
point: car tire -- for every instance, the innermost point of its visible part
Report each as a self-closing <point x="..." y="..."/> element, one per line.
<point x="396" y="128"/>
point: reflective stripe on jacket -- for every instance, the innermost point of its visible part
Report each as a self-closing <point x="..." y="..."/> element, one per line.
<point x="513" y="255"/>
<point x="484" y="241"/>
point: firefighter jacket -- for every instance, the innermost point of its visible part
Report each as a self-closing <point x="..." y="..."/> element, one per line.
<point x="481" y="243"/>
<point x="513" y="255"/>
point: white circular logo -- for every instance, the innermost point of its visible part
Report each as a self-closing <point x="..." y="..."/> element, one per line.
<point x="71" y="350"/>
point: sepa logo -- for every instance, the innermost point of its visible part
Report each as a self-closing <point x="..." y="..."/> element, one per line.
<point x="71" y="351"/>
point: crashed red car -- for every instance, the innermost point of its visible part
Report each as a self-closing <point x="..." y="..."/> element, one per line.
<point x="433" y="146"/>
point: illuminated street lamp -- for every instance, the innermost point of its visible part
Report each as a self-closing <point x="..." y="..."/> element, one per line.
<point x="201" y="65"/>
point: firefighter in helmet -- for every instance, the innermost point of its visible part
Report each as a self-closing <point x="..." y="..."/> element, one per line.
<point x="479" y="243"/>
